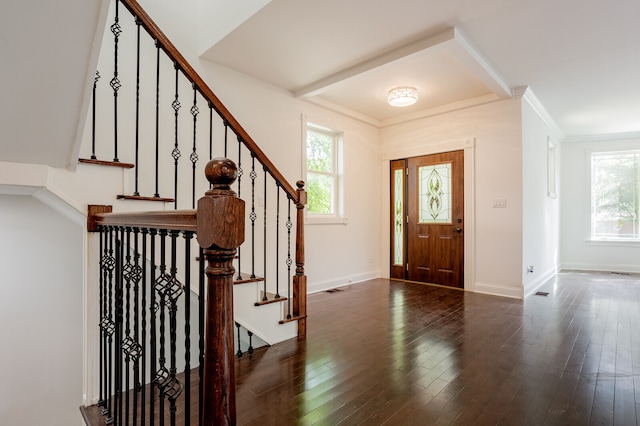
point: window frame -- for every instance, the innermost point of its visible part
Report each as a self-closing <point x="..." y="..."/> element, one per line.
<point x="606" y="240"/>
<point x="337" y="217"/>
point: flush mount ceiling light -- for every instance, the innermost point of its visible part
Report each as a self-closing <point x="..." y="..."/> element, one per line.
<point x="403" y="96"/>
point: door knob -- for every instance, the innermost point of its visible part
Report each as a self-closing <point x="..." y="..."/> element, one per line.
<point x="458" y="229"/>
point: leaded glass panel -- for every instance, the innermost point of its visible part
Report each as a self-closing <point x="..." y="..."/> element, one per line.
<point x="434" y="183"/>
<point x="398" y="216"/>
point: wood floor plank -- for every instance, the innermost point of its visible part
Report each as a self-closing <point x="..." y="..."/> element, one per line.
<point x="394" y="353"/>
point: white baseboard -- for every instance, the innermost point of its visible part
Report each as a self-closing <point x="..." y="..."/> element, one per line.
<point x="498" y="290"/>
<point x="596" y="267"/>
<point x="533" y="285"/>
<point x="342" y="281"/>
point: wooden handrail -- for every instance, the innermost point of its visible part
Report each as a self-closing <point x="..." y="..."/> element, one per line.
<point x="165" y="44"/>
<point x="176" y="220"/>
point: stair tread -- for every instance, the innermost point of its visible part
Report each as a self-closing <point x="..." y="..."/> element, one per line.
<point x="245" y="278"/>
<point x="106" y="163"/>
<point x="143" y="198"/>
<point x="271" y="298"/>
<point x="286" y="320"/>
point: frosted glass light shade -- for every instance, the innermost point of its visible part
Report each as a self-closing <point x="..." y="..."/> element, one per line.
<point x="403" y="96"/>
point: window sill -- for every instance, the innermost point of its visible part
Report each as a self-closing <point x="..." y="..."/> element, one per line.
<point x="613" y="243"/>
<point x="317" y="220"/>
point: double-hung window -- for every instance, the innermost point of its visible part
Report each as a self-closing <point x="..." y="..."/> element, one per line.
<point x="615" y="192"/>
<point x="323" y="152"/>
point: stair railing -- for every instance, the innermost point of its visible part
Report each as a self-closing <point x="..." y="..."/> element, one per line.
<point x="145" y="81"/>
<point x="144" y="284"/>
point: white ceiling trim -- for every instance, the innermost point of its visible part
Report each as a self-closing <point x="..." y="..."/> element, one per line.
<point x="431" y="42"/>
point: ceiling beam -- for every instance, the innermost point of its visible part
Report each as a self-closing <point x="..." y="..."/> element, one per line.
<point x="431" y="42"/>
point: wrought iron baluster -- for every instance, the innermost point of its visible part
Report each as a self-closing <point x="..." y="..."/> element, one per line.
<point x="162" y="373"/>
<point x="239" y="351"/>
<point x="250" y="349"/>
<point x="143" y="337"/>
<point x="194" y="155"/>
<point x="277" y="240"/>
<point x="131" y="344"/>
<point x="201" y="330"/>
<point x="137" y="138"/>
<point x="153" y="308"/>
<point x="108" y="326"/>
<point x="173" y="291"/>
<point x="93" y="117"/>
<point x="210" y="130"/>
<point x="188" y="236"/>
<point x="157" y="193"/>
<point x="289" y="260"/>
<point x="264" y="239"/>
<point x="101" y="313"/>
<point x="239" y="196"/>
<point x="115" y="84"/>
<point x="226" y="131"/>
<point x="253" y="215"/>
<point x="118" y="412"/>
<point x="176" y="151"/>
<point x="127" y="271"/>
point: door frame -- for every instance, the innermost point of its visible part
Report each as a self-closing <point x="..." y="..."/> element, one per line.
<point x="466" y="145"/>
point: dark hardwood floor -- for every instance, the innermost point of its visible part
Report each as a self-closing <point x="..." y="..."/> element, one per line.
<point x="394" y="353"/>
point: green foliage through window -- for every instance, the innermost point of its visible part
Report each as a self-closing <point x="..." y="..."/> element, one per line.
<point x="321" y="172"/>
<point x="615" y="192"/>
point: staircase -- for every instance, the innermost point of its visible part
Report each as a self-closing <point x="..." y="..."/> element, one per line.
<point x="154" y="129"/>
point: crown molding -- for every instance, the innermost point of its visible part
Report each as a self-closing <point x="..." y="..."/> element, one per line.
<point x="525" y="93"/>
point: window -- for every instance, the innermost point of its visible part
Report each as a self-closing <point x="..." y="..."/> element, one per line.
<point x="615" y="191"/>
<point x="323" y="181"/>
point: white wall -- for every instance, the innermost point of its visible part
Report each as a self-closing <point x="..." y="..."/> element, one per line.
<point x="335" y="254"/>
<point x="577" y="252"/>
<point x="497" y="159"/>
<point x="41" y="322"/>
<point x="540" y="211"/>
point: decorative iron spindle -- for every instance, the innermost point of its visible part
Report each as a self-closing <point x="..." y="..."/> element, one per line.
<point x="188" y="236"/>
<point x="226" y="131"/>
<point x="93" y="116"/>
<point x="115" y="84"/>
<point x="127" y="342"/>
<point x="239" y="351"/>
<point x="210" y="132"/>
<point x="153" y="309"/>
<point x="173" y="291"/>
<point x="250" y="348"/>
<point x="143" y="331"/>
<point x="201" y="330"/>
<point x="157" y="171"/>
<point x="162" y="373"/>
<point x="194" y="155"/>
<point x="264" y="239"/>
<point x="176" y="151"/>
<point x="137" y="149"/>
<point x="277" y="240"/>
<point x="107" y="323"/>
<point x="101" y="310"/>
<point x="289" y="260"/>
<point x="118" y="408"/>
<point x="239" y="277"/>
<point x="253" y="215"/>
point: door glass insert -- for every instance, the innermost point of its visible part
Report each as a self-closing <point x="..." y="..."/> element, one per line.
<point x="434" y="195"/>
<point x="398" y="206"/>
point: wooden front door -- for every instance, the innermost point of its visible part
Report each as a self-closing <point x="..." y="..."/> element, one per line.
<point x="434" y="233"/>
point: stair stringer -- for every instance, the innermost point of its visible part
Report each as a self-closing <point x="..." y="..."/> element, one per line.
<point x="258" y="319"/>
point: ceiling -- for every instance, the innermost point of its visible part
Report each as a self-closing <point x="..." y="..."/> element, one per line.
<point x="579" y="58"/>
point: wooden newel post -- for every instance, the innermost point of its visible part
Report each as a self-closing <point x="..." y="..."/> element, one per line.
<point x="220" y="230"/>
<point x="300" y="279"/>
